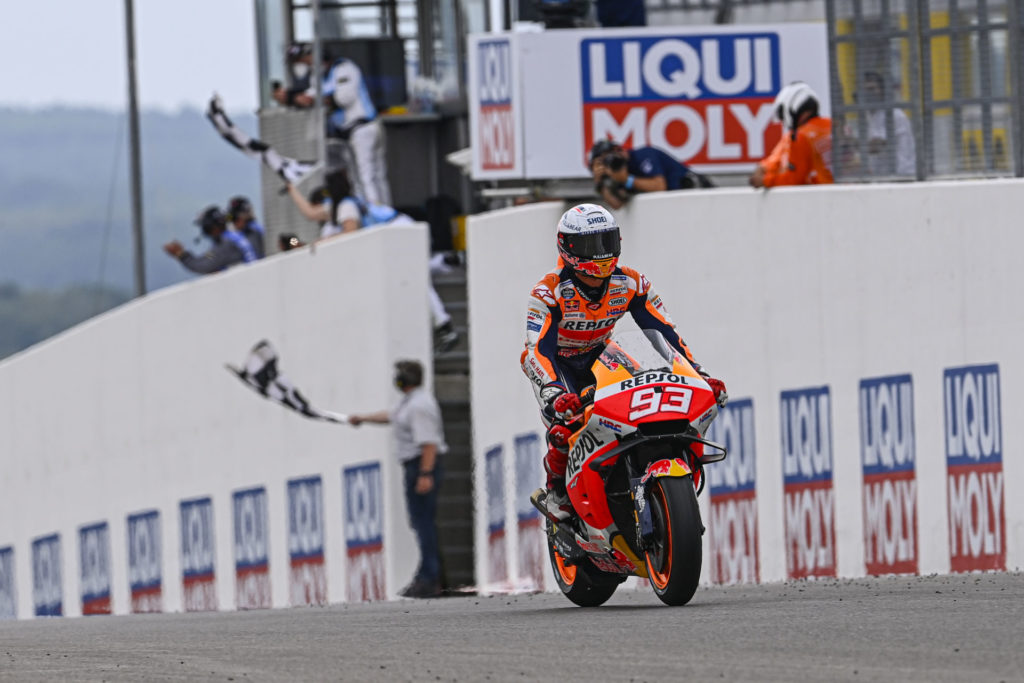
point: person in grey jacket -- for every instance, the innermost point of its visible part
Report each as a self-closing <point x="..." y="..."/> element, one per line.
<point x="229" y="247"/>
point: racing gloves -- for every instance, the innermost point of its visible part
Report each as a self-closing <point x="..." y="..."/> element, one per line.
<point x="718" y="386"/>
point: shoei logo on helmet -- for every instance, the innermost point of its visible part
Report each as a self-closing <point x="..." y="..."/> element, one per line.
<point x="702" y="98"/>
<point x="597" y="219"/>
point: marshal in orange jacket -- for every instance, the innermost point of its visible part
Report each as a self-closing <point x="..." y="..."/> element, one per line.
<point x="808" y="159"/>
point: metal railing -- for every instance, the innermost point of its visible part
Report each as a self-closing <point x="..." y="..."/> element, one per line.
<point x="925" y="88"/>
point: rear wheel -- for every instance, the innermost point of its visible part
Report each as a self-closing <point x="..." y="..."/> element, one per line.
<point x="582" y="583"/>
<point x="673" y="562"/>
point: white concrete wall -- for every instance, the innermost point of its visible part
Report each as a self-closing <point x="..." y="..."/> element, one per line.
<point x="135" y="411"/>
<point x="784" y="290"/>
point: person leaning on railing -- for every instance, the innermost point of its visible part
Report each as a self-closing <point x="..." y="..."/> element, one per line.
<point x="619" y="173"/>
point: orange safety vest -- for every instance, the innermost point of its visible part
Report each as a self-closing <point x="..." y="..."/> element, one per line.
<point x="808" y="161"/>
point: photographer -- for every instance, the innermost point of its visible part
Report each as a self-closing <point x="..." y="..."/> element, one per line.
<point x="229" y="247"/>
<point x="620" y="173"/>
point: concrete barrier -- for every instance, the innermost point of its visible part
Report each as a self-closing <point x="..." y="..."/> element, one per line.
<point x="139" y="475"/>
<point x="870" y="338"/>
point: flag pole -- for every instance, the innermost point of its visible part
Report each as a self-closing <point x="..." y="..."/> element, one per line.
<point x="136" y="163"/>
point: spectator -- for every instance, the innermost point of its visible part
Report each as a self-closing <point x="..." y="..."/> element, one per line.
<point x="808" y="159"/>
<point x="339" y="211"/>
<point x="621" y="13"/>
<point x="229" y="247"/>
<point x="884" y="159"/>
<point x="419" y="445"/>
<point x="353" y="119"/>
<point x="619" y="173"/>
<point x="241" y="215"/>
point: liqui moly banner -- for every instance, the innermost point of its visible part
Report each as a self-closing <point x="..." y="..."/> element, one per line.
<point x="198" y="553"/>
<point x="308" y="576"/>
<point x="974" y="463"/>
<point x="497" y="552"/>
<point x="807" y="467"/>
<point x="702" y="94"/>
<point x="144" y="562"/>
<point x="47" y="587"/>
<point x="494" y="116"/>
<point x="364" y="533"/>
<point x="94" y="565"/>
<point x="8" y="597"/>
<point x="732" y="482"/>
<point x="252" y="568"/>
<point x="532" y="560"/>
<point x="888" y="454"/>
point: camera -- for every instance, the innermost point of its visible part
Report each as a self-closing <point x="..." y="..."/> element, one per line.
<point x="618" y="190"/>
<point x="614" y="162"/>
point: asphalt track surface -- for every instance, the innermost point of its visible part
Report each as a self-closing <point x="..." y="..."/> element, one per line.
<point x="946" y="628"/>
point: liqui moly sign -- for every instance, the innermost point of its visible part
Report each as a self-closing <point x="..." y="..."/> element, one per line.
<point x="974" y="465"/>
<point x="703" y="98"/>
<point x="807" y="466"/>
<point x="733" y="486"/>
<point x="888" y="454"/>
<point x="495" y="137"/>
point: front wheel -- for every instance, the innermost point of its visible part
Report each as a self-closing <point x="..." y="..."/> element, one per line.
<point x="673" y="562"/>
<point x="583" y="583"/>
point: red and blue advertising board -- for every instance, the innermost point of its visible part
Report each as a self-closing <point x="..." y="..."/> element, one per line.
<point x="732" y="483"/>
<point x="888" y="456"/>
<point x="494" y="125"/>
<point x="532" y="560"/>
<point x="308" y="575"/>
<point x="364" y="532"/>
<point x="974" y="468"/>
<point x="8" y="596"/>
<point x="94" y="568"/>
<point x="497" y="552"/>
<point x="252" y="567"/>
<point x="47" y="587"/>
<point x="703" y="98"/>
<point x="145" y="574"/>
<point x="808" y="494"/>
<point x="198" y="553"/>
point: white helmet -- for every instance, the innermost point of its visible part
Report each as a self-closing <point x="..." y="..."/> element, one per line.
<point x="588" y="240"/>
<point x="799" y="95"/>
<point x="779" y="105"/>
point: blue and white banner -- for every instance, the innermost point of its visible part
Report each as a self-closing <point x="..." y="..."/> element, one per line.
<point x="252" y="568"/>
<point x="308" y="576"/>
<point x="888" y="454"/>
<point x="974" y="465"/>
<point x="8" y="594"/>
<point x="47" y="587"/>
<point x="497" y="552"/>
<point x="198" y="553"/>
<point x="364" y="532"/>
<point x="494" y="107"/>
<point x="94" y="560"/>
<point x="733" y="486"/>
<point x="533" y="558"/>
<point x="145" y="573"/>
<point x="807" y="466"/>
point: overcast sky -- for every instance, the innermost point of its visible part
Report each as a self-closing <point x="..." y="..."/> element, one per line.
<point x="72" y="52"/>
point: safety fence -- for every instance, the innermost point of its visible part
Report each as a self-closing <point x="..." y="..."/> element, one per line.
<point x="140" y="476"/>
<point x="926" y="88"/>
<point x="870" y="353"/>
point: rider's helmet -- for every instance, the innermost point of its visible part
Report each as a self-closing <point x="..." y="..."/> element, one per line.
<point x="779" y="105"/>
<point x="801" y="98"/>
<point x="210" y="219"/>
<point x="588" y="240"/>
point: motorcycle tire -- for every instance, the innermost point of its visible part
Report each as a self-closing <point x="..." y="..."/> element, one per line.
<point x="583" y="583"/>
<point x="673" y="564"/>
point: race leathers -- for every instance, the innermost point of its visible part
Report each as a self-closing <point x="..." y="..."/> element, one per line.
<point x="566" y="331"/>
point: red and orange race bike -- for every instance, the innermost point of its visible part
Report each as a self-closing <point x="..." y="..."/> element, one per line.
<point x="636" y="466"/>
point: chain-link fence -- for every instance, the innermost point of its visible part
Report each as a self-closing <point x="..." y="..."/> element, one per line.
<point x="925" y="88"/>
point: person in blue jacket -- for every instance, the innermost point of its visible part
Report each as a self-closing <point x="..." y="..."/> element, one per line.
<point x="619" y="173"/>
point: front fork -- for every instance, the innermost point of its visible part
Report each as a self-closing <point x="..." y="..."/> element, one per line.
<point x="640" y="486"/>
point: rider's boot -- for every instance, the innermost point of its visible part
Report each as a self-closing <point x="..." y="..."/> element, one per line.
<point x="554" y="499"/>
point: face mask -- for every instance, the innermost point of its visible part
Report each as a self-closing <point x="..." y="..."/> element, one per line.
<point x="300" y="70"/>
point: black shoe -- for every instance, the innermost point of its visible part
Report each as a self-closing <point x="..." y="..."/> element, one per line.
<point x="445" y="338"/>
<point x="422" y="588"/>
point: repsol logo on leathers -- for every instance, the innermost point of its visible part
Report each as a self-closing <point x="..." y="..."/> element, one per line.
<point x="587" y="325"/>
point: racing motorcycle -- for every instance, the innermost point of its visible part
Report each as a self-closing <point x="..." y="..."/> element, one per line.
<point x="636" y="466"/>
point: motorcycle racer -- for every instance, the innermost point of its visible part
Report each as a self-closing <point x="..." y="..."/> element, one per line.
<point x="570" y="316"/>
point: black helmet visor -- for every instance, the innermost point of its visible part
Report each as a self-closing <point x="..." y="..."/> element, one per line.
<point x="594" y="245"/>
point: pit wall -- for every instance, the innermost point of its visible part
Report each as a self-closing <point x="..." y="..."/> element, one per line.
<point x="138" y="474"/>
<point x="871" y="342"/>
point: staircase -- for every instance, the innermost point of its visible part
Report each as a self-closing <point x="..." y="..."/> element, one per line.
<point x="451" y="386"/>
